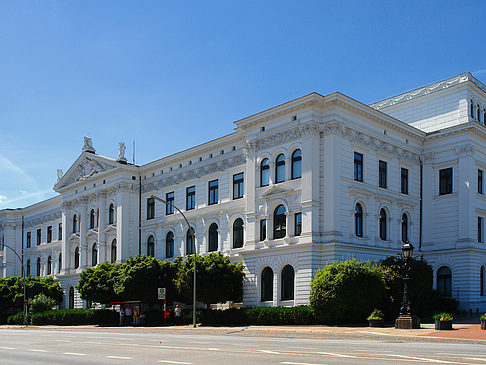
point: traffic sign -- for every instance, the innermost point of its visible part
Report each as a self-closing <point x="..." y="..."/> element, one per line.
<point x="161" y="293"/>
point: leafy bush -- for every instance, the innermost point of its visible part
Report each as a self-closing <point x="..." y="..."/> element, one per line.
<point x="443" y="316"/>
<point x="483" y="317"/>
<point x="259" y="316"/>
<point x="376" y="315"/>
<point x="16" y="318"/>
<point x="346" y="291"/>
<point x="440" y="303"/>
<point x="41" y="303"/>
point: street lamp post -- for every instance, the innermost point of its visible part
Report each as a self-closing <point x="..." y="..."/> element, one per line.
<point x="195" y="252"/>
<point x="406" y="319"/>
<point x="23" y="279"/>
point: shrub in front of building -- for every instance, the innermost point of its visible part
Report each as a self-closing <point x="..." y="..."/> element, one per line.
<point x="68" y="317"/>
<point x="346" y="291"/>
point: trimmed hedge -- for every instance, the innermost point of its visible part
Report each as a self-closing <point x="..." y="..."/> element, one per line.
<point x="68" y="317"/>
<point x="259" y="316"/>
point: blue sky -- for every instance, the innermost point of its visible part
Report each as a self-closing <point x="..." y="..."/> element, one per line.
<point x="174" y="74"/>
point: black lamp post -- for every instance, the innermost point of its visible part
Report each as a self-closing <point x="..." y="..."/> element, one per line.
<point x="405" y="309"/>
<point x="406" y="320"/>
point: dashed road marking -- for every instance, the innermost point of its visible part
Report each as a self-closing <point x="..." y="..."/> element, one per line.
<point x="74" y="354"/>
<point x="213" y="349"/>
<point x="38" y="350"/>
<point x="423" y="359"/>
<point x="476" y="358"/>
<point x="119" y="357"/>
<point x="270" y="352"/>
<point x="334" y="354"/>
<point x="7" y="348"/>
<point x="175" y="362"/>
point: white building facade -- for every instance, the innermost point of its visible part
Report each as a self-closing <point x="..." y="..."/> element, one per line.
<point x="295" y="187"/>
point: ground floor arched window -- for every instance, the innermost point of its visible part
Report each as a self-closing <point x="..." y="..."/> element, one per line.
<point x="113" y="251"/>
<point x="94" y="255"/>
<point x="287" y="283"/>
<point x="71" y="298"/>
<point x="267" y="284"/>
<point x="169" y="245"/>
<point x="151" y="246"/>
<point x="213" y="237"/>
<point x="444" y="281"/>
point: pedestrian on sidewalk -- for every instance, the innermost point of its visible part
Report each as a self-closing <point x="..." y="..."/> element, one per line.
<point x="122" y="316"/>
<point x="178" y="314"/>
<point x="128" y="316"/>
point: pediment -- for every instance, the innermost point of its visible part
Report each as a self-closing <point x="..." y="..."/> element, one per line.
<point x="86" y="166"/>
<point x="276" y="190"/>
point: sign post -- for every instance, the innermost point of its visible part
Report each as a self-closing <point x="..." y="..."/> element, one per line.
<point x="161" y="295"/>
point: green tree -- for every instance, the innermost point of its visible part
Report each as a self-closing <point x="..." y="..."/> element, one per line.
<point x="97" y="285"/>
<point x="41" y="303"/>
<point x="346" y="291"/>
<point x="12" y="290"/>
<point x="140" y="277"/>
<point x="217" y="279"/>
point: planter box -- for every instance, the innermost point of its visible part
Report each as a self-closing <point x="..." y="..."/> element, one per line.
<point x="376" y="322"/>
<point x="483" y="324"/>
<point x="443" y="325"/>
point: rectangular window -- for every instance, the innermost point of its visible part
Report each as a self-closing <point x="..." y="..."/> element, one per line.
<point x="59" y="232"/>
<point x="150" y="208"/>
<point x="29" y="239"/>
<point x="480" y="182"/>
<point x="213" y="192"/>
<point x="169" y="198"/>
<point x="480" y="229"/>
<point x="190" y="197"/>
<point x="49" y="234"/>
<point x="298" y="224"/>
<point x="382" y="174"/>
<point x="238" y="188"/>
<point x="263" y="229"/>
<point x="404" y="181"/>
<point x="39" y="233"/>
<point x="358" y="166"/>
<point x="445" y="181"/>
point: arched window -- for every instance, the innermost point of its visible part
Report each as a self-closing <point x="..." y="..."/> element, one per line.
<point x="111" y="214"/>
<point x="49" y="265"/>
<point x="238" y="233"/>
<point x="267" y="284"/>
<point x="76" y="258"/>
<point x="444" y="281"/>
<point x="478" y="112"/>
<point x="151" y="246"/>
<point x="279" y="222"/>
<point x="404" y="228"/>
<point x="75" y="224"/>
<point x="383" y="224"/>
<point x="280" y="168"/>
<point x="92" y="219"/>
<point x="481" y="281"/>
<point x="472" y="109"/>
<point x="190" y="241"/>
<point x="213" y="237"/>
<point x="169" y="245"/>
<point x="27" y="269"/>
<point x="38" y="267"/>
<point x="97" y="217"/>
<point x="113" y="251"/>
<point x="288" y="277"/>
<point x="71" y="298"/>
<point x="94" y="255"/>
<point x="59" y="263"/>
<point x="358" y="220"/>
<point x="296" y="164"/>
<point x="264" y="173"/>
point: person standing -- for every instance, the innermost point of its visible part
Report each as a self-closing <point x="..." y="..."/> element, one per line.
<point x="122" y="316"/>
<point x="178" y="314"/>
<point x="128" y="315"/>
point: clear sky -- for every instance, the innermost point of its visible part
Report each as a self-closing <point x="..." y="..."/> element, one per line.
<point x="174" y="74"/>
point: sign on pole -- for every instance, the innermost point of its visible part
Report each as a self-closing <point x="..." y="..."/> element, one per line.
<point x="161" y="293"/>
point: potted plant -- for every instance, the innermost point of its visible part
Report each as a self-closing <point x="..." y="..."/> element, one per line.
<point x="443" y="321"/>
<point x="483" y="321"/>
<point x="376" y="318"/>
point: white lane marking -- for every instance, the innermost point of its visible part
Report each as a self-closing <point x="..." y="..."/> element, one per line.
<point x="334" y="354"/>
<point x="213" y="349"/>
<point x="298" y="363"/>
<point x="74" y="354"/>
<point x="422" y="359"/>
<point x="302" y="348"/>
<point x="38" y="350"/>
<point x="119" y="357"/>
<point x="200" y="343"/>
<point x="7" y="348"/>
<point x="175" y="362"/>
<point x="475" y="358"/>
<point x="270" y="352"/>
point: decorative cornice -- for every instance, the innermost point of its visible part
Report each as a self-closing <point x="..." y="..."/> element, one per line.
<point x="441" y="85"/>
<point x="465" y="150"/>
<point x="40" y="219"/>
<point x="194" y="173"/>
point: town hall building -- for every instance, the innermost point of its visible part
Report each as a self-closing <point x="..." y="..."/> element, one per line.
<point x="295" y="187"/>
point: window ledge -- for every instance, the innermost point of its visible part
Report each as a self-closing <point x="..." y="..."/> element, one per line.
<point x="444" y="196"/>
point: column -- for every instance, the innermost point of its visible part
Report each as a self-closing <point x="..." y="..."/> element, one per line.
<point x="65" y="248"/>
<point x="311" y="199"/>
<point x="103" y="250"/>
<point x="83" y="249"/>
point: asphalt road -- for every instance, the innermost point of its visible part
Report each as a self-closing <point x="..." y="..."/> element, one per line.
<point x="131" y="346"/>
